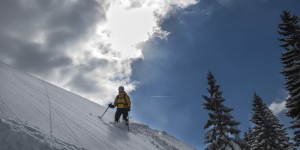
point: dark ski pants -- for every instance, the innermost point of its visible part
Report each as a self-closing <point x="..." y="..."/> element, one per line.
<point x="119" y="112"/>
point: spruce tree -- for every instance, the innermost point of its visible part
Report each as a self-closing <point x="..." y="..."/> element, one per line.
<point x="290" y="30"/>
<point x="222" y="128"/>
<point x="268" y="133"/>
<point x="249" y="138"/>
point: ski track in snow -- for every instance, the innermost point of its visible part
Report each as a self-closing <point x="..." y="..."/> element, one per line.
<point x="50" y="115"/>
<point x="40" y="111"/>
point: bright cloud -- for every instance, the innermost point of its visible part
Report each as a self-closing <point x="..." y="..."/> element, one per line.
<point x="127" y="28"/>
<point x="277" y="107"/>
<point x="131" y="22"/>
<point x="128" y="24"/>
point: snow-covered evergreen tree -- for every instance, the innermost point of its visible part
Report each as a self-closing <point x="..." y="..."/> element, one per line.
<point x="222" y="128"/>
<point x="268" y="133"/>
<point x="249" y="138"/>
<point x="290" y="30"/>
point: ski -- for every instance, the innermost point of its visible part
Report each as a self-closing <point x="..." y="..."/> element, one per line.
<point x="119" y="125"/>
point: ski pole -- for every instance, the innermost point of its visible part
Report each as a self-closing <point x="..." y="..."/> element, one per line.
<point x="104" y="112"/>
<point x="128" y="121"/>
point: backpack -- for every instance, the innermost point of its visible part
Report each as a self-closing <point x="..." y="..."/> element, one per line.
<point x="123" y="98"/>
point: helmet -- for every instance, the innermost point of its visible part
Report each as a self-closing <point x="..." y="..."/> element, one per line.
<point x="121" y="88"/>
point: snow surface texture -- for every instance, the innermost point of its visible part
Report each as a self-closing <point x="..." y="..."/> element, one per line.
<point x="36" y="115"/>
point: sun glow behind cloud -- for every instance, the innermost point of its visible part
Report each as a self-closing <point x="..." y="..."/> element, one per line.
<point x="128" y="27"/>
<point x="128" y="24"/>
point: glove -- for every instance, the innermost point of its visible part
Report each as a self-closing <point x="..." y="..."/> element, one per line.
<point x="128" y="109"/>
<point x="111" y="105"/>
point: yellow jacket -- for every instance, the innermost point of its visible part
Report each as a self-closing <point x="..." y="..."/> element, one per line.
<point x="122" y="100"/>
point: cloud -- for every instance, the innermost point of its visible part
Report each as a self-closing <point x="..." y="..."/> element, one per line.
<point x="35" y="35"/>
<point x="83" y="46"/>
<point x="277" y="108"/>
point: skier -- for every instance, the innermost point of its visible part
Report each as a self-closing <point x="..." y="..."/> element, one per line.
<point x="123" y="104"/>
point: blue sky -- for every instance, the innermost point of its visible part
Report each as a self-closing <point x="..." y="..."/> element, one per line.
<point x="161" y="51"/>
<point x="237" y="42"/>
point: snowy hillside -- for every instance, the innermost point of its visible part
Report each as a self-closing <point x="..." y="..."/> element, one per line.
<point x="37" y="115"/>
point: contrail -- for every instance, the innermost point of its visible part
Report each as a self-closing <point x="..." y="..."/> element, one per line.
<point x="163" y="96"/>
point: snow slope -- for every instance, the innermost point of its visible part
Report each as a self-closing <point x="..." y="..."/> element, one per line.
<point x="38" y="115"/>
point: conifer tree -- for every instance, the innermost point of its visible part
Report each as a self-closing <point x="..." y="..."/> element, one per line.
<point x="222" y="128"/>
<point x="290" y="30"/>
<point x="249" y="138"/>
<point x="268" y="133"/>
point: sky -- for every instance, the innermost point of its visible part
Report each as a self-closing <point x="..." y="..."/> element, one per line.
<point x="161" y="51"/>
